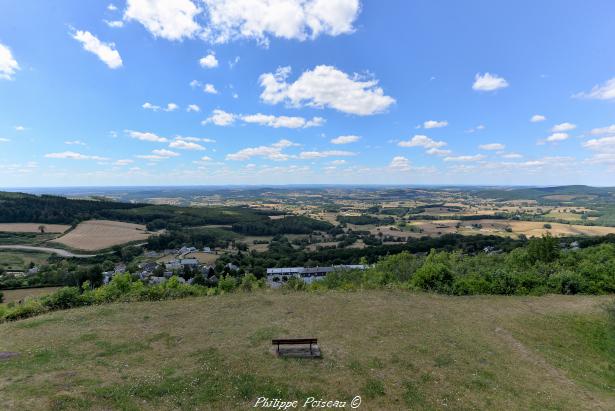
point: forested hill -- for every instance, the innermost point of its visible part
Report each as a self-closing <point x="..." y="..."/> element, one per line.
<point x="27" y="208"/>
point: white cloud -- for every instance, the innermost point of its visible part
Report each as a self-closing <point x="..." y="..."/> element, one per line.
<point x="169" y="19"/>
<point x="193" y="108"/>
<point x="165" y="153"/>
<point x="557" y="137"/>
<point x="195" y="83"/>
<point x="345" y="139"/>
<point x="272" y="152"/>
<point x="488" y="82"/>
<point x="290" y="19"/>
<point x="605" y="144"/>
<point x="475" y="129"/>
<point x="563" y="127"/>
<point x="604" y="91"/>
<point x="4" y="140"/>
<point x="512" y="155"/>
<point x="220" y="118"/>
<point x="75" y="143"/>
<point x="435" y="124"/>
<point x="325" y="86"/>
<point x="603" y="130"/>
<point x="71" y="155"/>
<point x="233" y="63"/>
<point x="146" y="136"/>
<point x="210" y="89"/>
<point x="184" y="144"/>
<point x="338" y="162"/>
<point x="115" y="24"/>
<point x="205" y="158"/>
<point x="537" y="118"/>
<point x="282" y="121"/>
<point x="209" y="61"/>
<point x="307" y="155"/>
<point x="150" y="106"/>
<point x="492" y="146"/>
<point x="438" y="152"/>
<point x="8" y="64"/>
<point x="400" y="163"/>
<point x="171" y="107"/>
<point x="421" y="141"/>
<point x="106" y="52"/>
<point x="111" y="7"/>
<point x="476" y="157"/>
<point x="20" y="128"/>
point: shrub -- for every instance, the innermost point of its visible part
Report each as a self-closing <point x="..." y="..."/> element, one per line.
<point x="567" y="282"/>
<point x="227" y="283"/>
<point x="1" y="297"/>
<point x="433" y="277"/>
<point x="67" y="297"/>
<point x="249" y="282"/>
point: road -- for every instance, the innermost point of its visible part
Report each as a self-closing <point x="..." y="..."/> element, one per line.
<point x="58" y="251"/>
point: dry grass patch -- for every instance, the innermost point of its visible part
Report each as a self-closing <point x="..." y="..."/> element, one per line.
<point x="99" y="234"/>
<point x="32" y="227"/>
<point x="22" y="294"/>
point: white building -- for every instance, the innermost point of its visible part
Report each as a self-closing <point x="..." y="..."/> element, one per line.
<point x="278" y="276"/>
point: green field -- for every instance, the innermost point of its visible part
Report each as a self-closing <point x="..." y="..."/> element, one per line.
<point x="20" y="260"/>
<point x="397" y="350"/>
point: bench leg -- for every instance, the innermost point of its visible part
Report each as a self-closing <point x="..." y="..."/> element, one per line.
<point x="311" y="349"/>
<point x="278" y="349"/>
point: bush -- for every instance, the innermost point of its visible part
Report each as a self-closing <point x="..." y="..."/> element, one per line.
<point x="67" y="297"/>
<point x="433" y="277"/>
<point x="227" y="283"/>
<point x="249" y="282"/>
<point x="1" y="297"/>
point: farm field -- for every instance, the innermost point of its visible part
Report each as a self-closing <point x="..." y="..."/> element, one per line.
<point x="397" y="350"/>
<point x="21" y="294"/>
<point x="32" y="228"/>
<point x="94" y="235"/>
<point x="20" y="260"/>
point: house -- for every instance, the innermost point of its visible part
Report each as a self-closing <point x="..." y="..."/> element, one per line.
<point x="33" y="270"/>
<point x="207" y="250"/>
<point x="186" y="250"/>
<point x="152" y="254"/>
<point x="107" y="276"/>
<point x="173" y="265"/>
<point x="192" y="262"/>
<point x="120" y="268"/>
<point x="148" y="266"/>
<point x="157" y="280"/>
<point x="277" y="276"/>
<point x="232" y="267"/>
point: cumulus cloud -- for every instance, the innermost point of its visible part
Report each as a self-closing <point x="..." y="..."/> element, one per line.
<point x="272" y="152"/>
<point x="146" y="136"/>
<point x="20" y="128"/>
<point x="563" y="127"/>
<point x="220" y="118"/>
<point x="345" y="139"/>
<point x="185" y="144"/>
<point x="421" y="141"/>
<point x="488" y="82"/>
<point x="165" y="153"/>
<point x="168" y="19"/>
<point x="604" y="144"/>
<point x="289" y="19"/>
<point x="308" y="155"/>
<point x="71" y="155"/>
<point x="476" y="157"/>
<point x="282" y="121"/>
<point x="325" y="86"/>
<point x="4" y="140"/>
<point x="106" y="52"/>
<point x="603" y="130"/>
<point x="492" y="146"/>
<point x="170" y="107"/>
<point x="8" y="64"/>
<point x="114" y="24"/>
<point x="435" y="124"/>
<point x="400" y="163"/>
<point x="111" y="7"/>
<point x="210" y="89"/>
<point x="123" y="162"/>
<point x="537" y="118"/>
<point x="74" y="143"/>
<point x="209" y="61"/>
<point x="438" y="152"/>
<point x="193" y="108"/>
<point x="604" y="91"/>
<point x="557" y="137"/>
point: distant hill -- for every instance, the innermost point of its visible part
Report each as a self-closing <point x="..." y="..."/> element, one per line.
<point x="548" y="193"/>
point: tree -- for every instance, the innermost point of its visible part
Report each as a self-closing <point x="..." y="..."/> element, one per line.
<point x="544" y="249"/>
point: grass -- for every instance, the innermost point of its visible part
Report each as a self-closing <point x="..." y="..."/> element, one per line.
<point x="23" y="293"/>
<point x="20" y="260"/>
<point x="395" y="349"/>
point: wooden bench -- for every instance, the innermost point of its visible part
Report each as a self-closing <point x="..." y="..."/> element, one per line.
<point x="294" y="341"/>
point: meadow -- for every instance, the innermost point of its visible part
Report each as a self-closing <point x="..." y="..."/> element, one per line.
<point x="95" y="235"/>
<point x="396" y="349"/>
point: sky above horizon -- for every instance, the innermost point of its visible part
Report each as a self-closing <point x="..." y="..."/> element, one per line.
<point x="190" y="92"/>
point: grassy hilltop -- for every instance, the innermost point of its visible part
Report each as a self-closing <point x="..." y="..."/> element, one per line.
<point x="398" y="350"/>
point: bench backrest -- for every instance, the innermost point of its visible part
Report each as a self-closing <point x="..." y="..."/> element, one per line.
<point x="295" y="341"/>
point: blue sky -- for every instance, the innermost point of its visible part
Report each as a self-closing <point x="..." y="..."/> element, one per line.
<point x="157" y="92"/>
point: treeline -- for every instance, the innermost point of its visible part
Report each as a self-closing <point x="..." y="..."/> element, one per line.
<point x="286" y="225"/>
<point x="26" y="208"/>
<point x="364" y="219"/>
<point x="539" y="268"/>
<point x="195" y="237"/>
